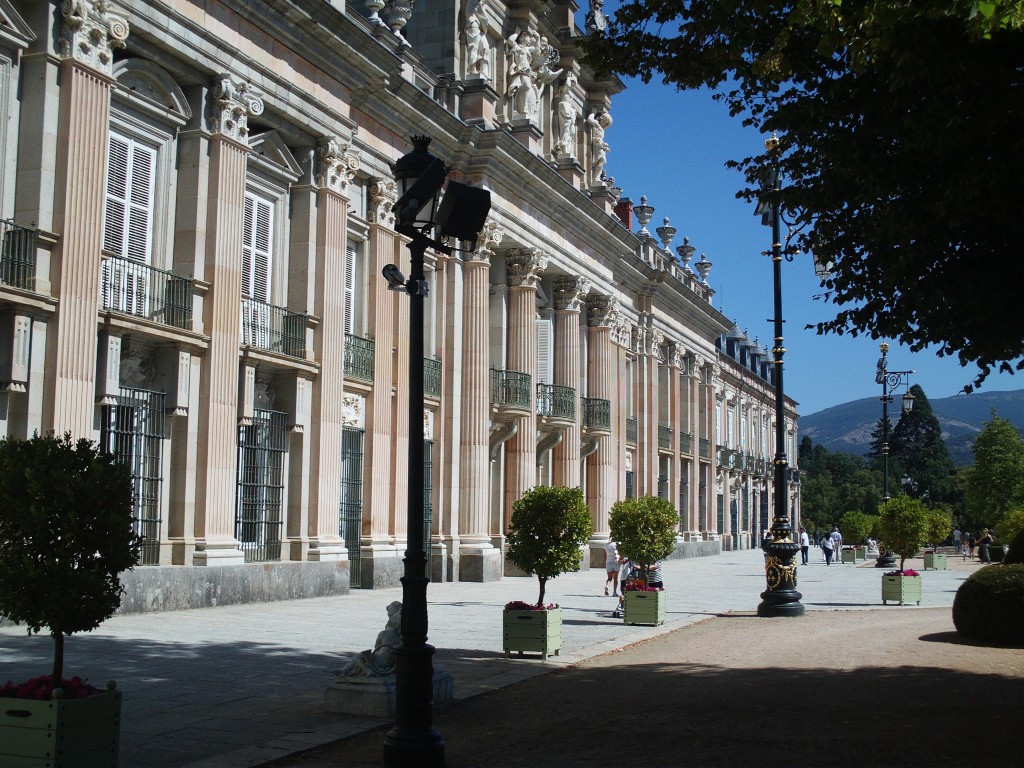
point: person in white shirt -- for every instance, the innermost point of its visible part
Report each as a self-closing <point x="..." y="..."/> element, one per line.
<point x="611" y="567"/>
<point x="827" y="545"/>
<point x="805" y="544"/>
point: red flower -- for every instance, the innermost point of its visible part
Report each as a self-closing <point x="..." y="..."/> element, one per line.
<point x="41" y="688"/>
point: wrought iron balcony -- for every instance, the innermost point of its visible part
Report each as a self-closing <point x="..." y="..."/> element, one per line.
<point x="664" y="437"/>
<point x="277" y="329"/>
<point x="431" y="377"/>
<point x="17" y="255"/>
<point x="358" y="358"/>
<point x="685" y="444"/>
<point x="556" y="401"/>
<point x="704" y="446"/>
<point x="510" y="389"/>
<point x="631" y="431"/>
<point x="597" y="414"/>
<point x="133" y="288"/>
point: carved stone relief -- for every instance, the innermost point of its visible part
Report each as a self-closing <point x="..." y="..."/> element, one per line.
<point x="90" y="32"/>
<point x="337" y="164"/>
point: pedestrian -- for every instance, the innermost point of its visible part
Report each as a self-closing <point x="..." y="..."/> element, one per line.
<point x="837" y="540"/>
<point x="611" y="567"/>
<point x="984" y="546"/>
<point x="827" y="548"/>
<point x="956" y="541"/>
<point x="654" y="576"/>
<point x="970" y="545"/>
<point x="805" y="544"/>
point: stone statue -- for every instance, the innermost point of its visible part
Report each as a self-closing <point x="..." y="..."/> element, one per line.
<point x="379" y="662"/>
<point x="599" y="123"/>
<point x="478" y="50"/>
<point x="530" y="59"/>
<point x="596" y="22"/>
<point x="565" y="120"/>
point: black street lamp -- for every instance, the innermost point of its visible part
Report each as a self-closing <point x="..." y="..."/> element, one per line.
<point x="890" y="381"/>
<point x="781" y="597"/>
<point x="414" y="741"/>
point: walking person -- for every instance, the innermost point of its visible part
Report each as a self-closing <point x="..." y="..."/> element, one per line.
<point x="611" y="567"/>
<point x="970" y="545"/>
<point x="985" y="546"/>
<point x="827" y="549"/>
<point x="805" y="544"/>
<point x="956" y="541"/>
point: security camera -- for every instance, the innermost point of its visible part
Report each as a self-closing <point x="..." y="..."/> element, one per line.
<point x="394" y="276"/>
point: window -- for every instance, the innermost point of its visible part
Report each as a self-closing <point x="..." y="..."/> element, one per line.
<point x="257" y="255"/>
<point x="543" y="350"/>
<point x="259" y="505"/>
<point x="350" y="290"/>
<point x="352" y="498"/>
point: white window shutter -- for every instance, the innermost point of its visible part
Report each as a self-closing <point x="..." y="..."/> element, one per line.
<point x="118" y="157"/>
<point x="350" y="289"/>
<point x="247" y="241"/>
<point x="257" y="261"/>
<point x="543" y="350"/>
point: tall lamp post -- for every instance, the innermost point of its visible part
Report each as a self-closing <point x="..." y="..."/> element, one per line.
<point x="414" y="741"/>
<point x="890" y="381"/>
<point x="781" y="597"/>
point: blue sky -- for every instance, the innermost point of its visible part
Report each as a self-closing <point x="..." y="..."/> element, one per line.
<point x="672" y="147"/>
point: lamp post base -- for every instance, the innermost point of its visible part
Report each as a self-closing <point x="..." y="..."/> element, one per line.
<point x="781" y="597"/>
<point x="785" y="603"/>
<point x="414" y="741"/>
<point x="888" y="560"/>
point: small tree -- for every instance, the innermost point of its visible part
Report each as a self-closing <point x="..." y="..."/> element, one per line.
<point x="904" y="526"/>
<point x="549" y="525"/>
<point x="644" y="529"/>
<point x="65" y="536"/>
<point x="939" y="526"/>
<point x="855" y="526"/>
<point x="1011" y="524"/>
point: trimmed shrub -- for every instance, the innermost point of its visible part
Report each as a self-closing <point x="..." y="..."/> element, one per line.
<point x="989" y="606"/>
<point x="644" y="529"/>
<point x="1016" y="553"/>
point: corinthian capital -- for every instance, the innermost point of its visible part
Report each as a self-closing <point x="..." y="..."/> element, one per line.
<point x="569" y="292"/>
<point x="90" y="33"/>
<point x="233" y="104"/>
<point x="336" y="164"/>
<point x="488" y="242"/>
<point x="601" y="310"/>
<point x="525" y="266"/>
<point x="383" y="195"/>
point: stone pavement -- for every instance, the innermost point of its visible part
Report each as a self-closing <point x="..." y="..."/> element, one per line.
<point x="240" y="685"/>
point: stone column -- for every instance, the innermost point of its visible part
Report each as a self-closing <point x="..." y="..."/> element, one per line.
<point x="479" y="560"/>
<point x="677" y="411"/>
<point x="216" y="481"/>
<point x="88" y="36"/>
<point x="336" y="166"/>
<point x="568" y="294"/>
<point x="444" y="561"/>
<point x="603" y="375"/>
<point x="524" y="271"/>
<point x="693" y="427"/>
<point x="380" y="556"/>
<point x="711" y="499"/>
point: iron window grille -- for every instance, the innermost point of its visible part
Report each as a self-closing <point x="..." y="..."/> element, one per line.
<point x="259" y="503"/>
<point x="351" y="516"/>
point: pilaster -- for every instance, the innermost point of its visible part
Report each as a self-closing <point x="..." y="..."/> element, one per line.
<point x="569" y="292"/>
<point x="603" y="375"/>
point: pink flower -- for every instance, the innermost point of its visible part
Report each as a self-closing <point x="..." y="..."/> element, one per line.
<point x="41" y="689"/>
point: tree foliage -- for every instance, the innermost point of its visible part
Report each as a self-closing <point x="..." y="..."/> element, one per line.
<point x="644" y="529"/>
<point x="66" y="535"/>
<point x="1011" y="525"/>
<point x="855" y="526"/>
<point x="995" y="482"/>
<point x="940" y="525"/>
<point x="899" y="142"/>
<point x="904" y="523"/>
<point x="548" y="527"/>
<point x="916" y="445"/>
<point x="833" y="483"/>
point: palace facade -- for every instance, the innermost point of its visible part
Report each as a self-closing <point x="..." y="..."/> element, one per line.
<point x="197" y="206"/>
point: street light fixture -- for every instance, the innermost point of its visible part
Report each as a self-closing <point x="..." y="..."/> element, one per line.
<point x="414" y="740"/>
<point x="781" y="597"/>
<point x="890" y="381"/>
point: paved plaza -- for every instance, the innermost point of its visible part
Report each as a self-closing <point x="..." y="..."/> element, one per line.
<point x="241" y="685"/>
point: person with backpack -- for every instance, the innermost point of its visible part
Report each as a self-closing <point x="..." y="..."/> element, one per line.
<point x="827" y="548"/>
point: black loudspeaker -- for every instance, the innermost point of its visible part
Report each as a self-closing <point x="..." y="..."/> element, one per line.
<point x="463" y="211"/>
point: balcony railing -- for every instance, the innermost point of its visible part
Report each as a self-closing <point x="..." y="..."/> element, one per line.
<point x="704" y="446"/>
<point x="685" y="444"/>
<point x="597" y="413"/>
<point x="664" y="437"/>
<point x="630" y="431"/>
<point x="18" y="255"/>
<point x="431" y="377"/>
<point x="358" y="358"/>
<point x="133" y="288"/>
<point x="510" y="389"/>
<point x="556" y="401"/>
<point x="277" y="329"/>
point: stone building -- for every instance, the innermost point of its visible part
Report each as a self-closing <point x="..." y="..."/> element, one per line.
<point x="196" y="210"/>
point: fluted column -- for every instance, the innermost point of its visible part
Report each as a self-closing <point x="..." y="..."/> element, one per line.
<point x="693" y="427"/>
<point x="711" y="498"/>
<point x="603" y="375"/>
<point x="524" y="270"/>
<point x="216" y="480"/>
<point x="88" y="36"/>
<point x="676" y="410"/>
<point x="568" y="294"/>
<point x="336" y="167"/>
<point x="479" y="560"/>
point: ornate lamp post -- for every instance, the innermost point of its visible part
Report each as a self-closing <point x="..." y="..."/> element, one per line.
<point x="414" y="740"/>
<point x="781" y="597"/>
<point x="890" y="381"/>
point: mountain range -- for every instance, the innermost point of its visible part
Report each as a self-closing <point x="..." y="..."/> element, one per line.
<point x="848" y="427"/>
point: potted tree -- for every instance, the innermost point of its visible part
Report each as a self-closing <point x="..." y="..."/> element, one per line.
<point x="548" y="527"/>
<point x="66" y="534"/>
<point x="903" y="523"/>
<point x="939" y="526"/>
<point x="855" y="527"/>
<point x="645" y="530"/>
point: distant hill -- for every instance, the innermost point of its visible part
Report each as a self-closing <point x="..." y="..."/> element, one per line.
<point x="848" y="427"/>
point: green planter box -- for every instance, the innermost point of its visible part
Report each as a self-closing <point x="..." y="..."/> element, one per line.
<point x="935" y="561"/>
<point x="850" y="556"/>
<point x="644" y="607"/>
<point x="60" y="733"/>
<point x="901" y="589"/>
<point x="862" y="553"/>
<point x="533" y="632"/>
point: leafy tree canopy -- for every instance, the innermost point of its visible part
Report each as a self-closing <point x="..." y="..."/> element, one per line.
<point x="995" y="482"/>
<point x="899" y="142"/>
<point x="644" y="529"/>
<point x="904" y="524"/>
<point x="917" y="446"/>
